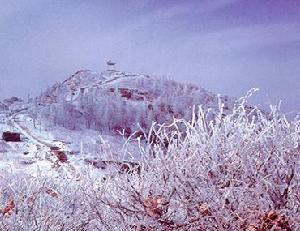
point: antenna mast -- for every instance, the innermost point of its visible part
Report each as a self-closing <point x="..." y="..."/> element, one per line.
<point x="110" y="65"/>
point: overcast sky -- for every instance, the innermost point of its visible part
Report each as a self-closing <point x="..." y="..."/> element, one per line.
<point x="226" y="46"/>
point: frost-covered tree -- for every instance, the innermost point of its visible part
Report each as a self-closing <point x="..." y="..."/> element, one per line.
<point x="234" y="172"/>
<point x="124" y="104"/>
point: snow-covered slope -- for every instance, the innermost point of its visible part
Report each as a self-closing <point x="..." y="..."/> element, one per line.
<point x="115" y="100"/>
<point x="84" y="113"/>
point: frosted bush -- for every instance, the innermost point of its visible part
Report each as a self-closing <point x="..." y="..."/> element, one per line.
<point x="236" y="172"/>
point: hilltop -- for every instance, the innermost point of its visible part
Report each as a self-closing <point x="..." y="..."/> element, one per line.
<point x="113" y="101"/>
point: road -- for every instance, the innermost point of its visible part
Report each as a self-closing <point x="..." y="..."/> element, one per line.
<point x="54" y="152"/>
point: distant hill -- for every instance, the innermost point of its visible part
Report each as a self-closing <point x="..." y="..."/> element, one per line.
<point x="114" y="101"/>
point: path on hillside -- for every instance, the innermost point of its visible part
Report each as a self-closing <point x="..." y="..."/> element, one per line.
<point x="27" y="132"/>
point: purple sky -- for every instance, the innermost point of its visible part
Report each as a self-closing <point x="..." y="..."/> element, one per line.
<point x="227" y="46"/>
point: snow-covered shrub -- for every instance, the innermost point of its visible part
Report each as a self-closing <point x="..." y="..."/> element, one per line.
<point x="236" y="172"/>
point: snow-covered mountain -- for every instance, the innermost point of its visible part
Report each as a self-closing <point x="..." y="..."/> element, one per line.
<point x="83" y="116"/>
<point x="115" y="101"/>
<point x="60" y="150"/>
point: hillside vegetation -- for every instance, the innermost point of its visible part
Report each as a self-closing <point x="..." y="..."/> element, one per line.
<point x="114" y="101"/>
<point x="238" y="171"/>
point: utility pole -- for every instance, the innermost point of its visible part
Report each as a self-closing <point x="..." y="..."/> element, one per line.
<point x="81" y="148"/>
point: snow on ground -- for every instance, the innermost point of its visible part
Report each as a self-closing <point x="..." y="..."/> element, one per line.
<point x="80" y="143"/>
<point x="33" y="155"/>
<point x="25" y="156"/>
